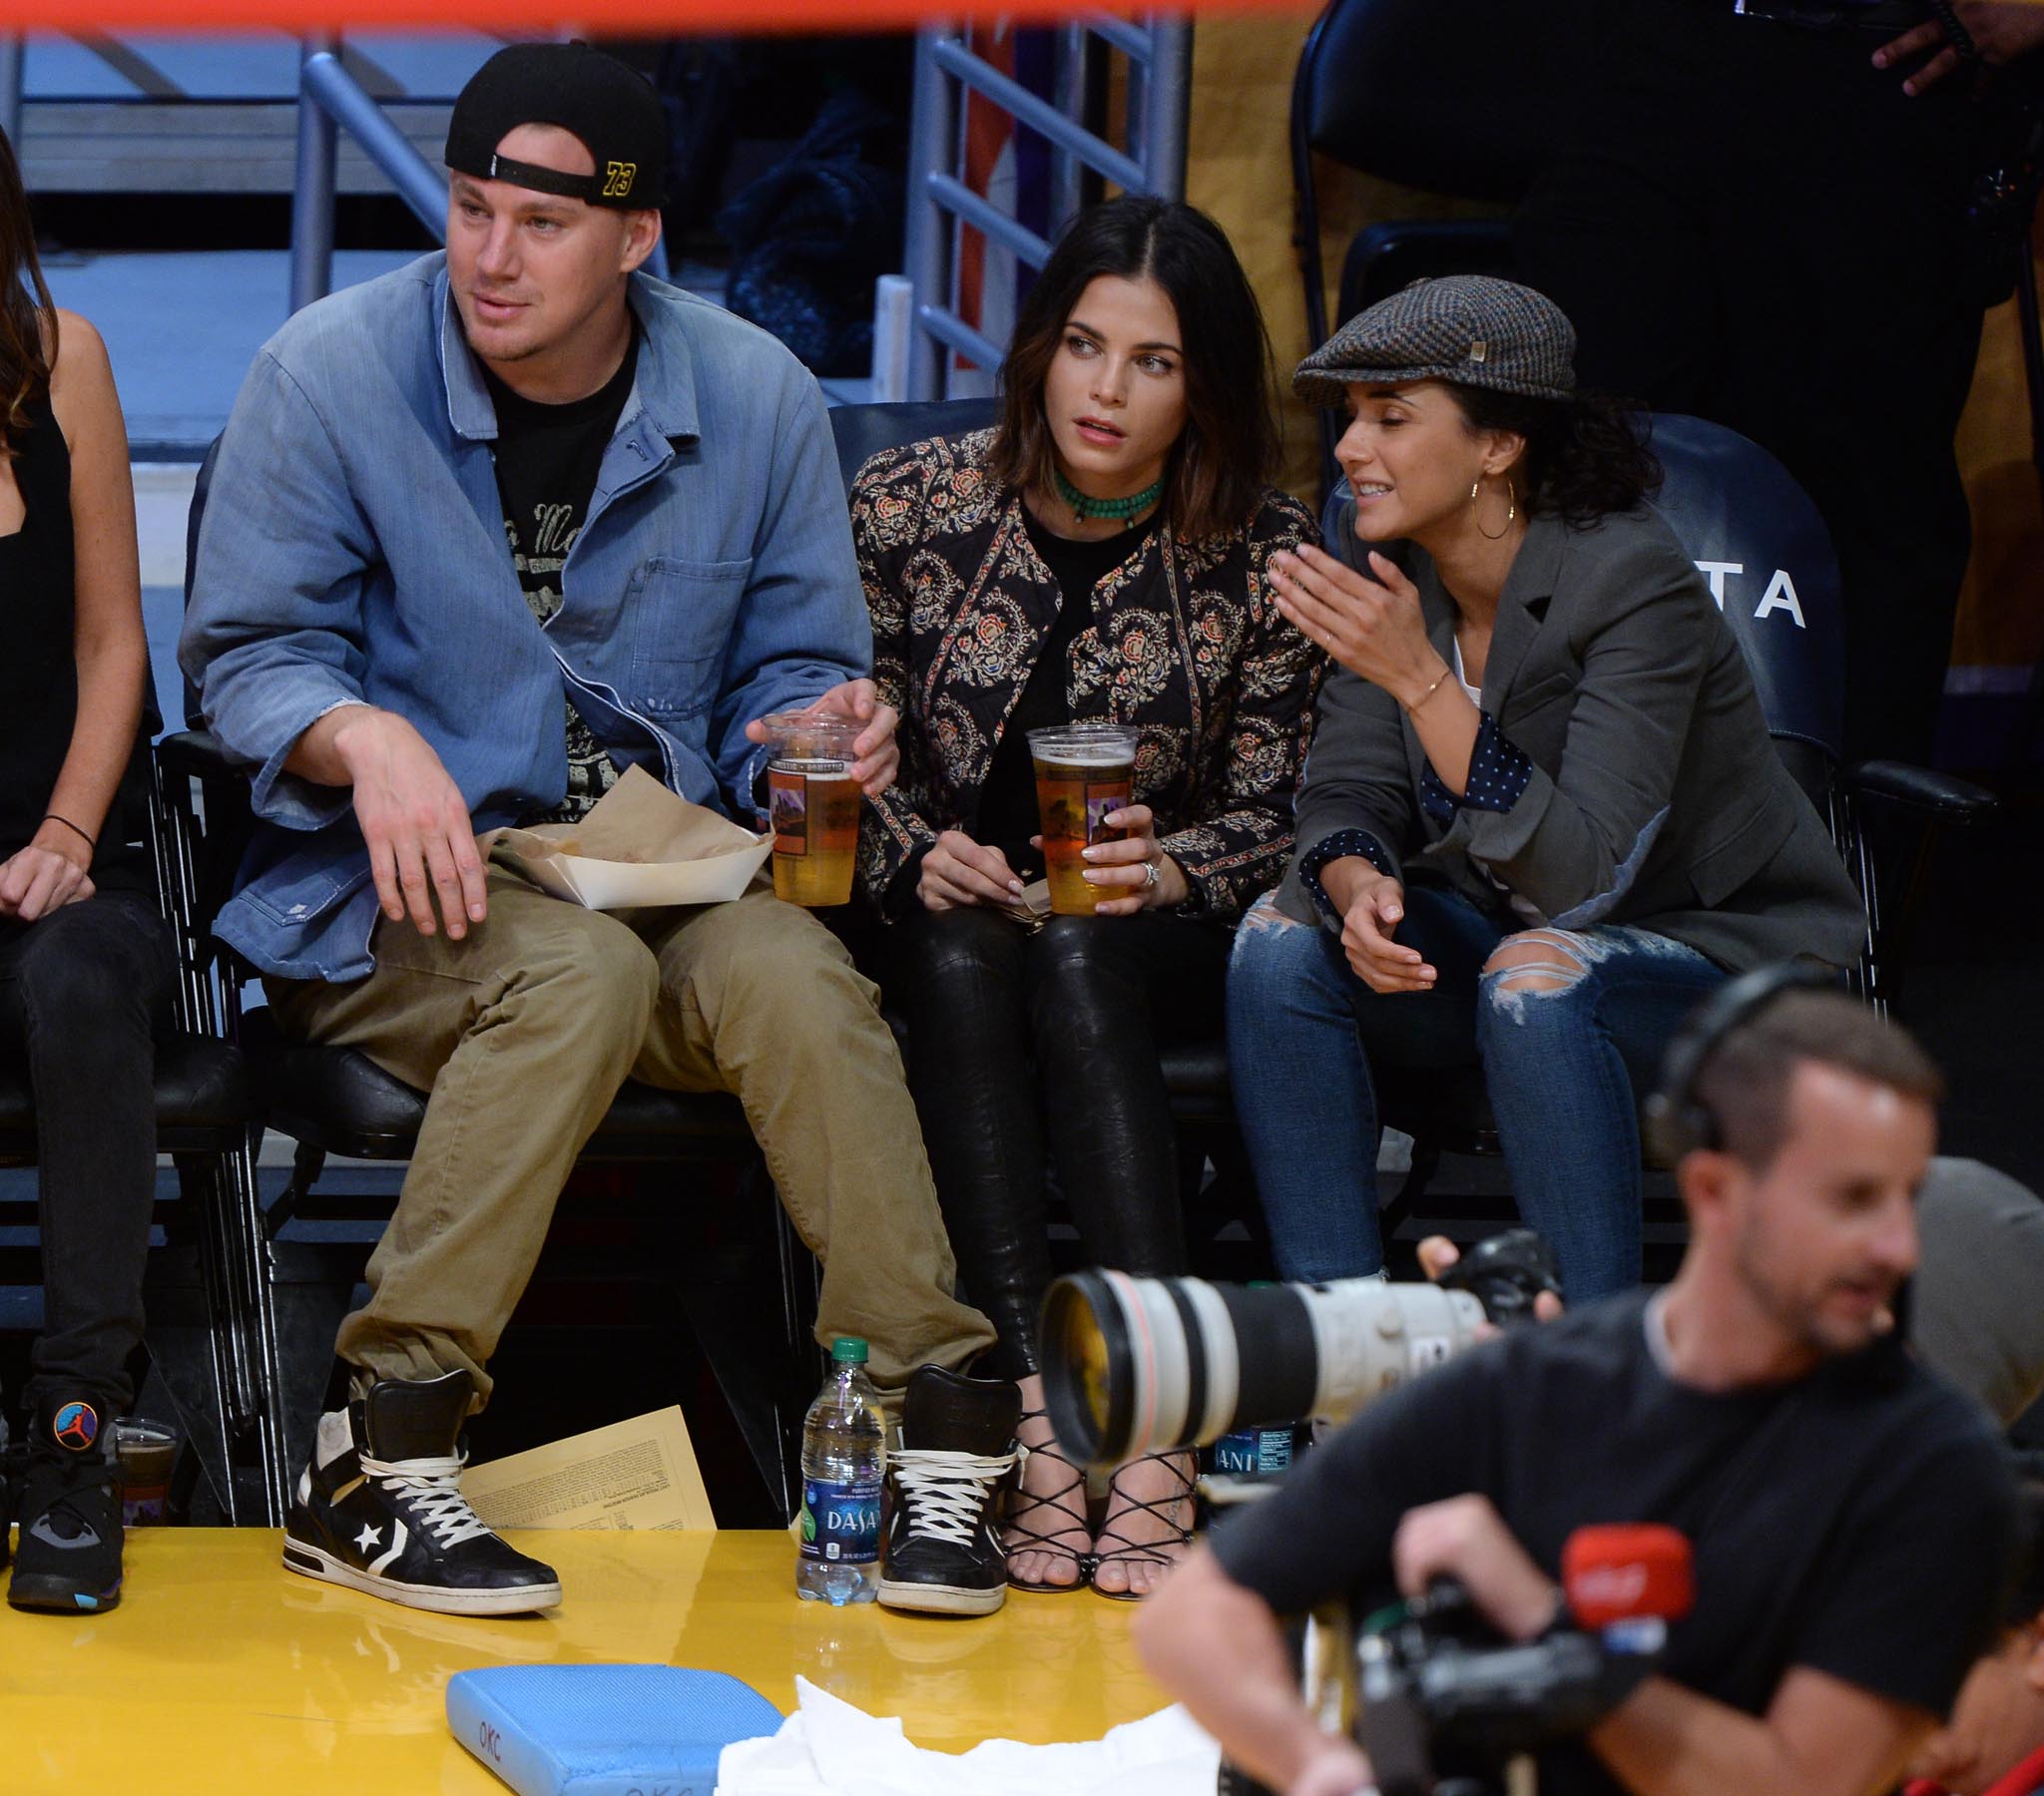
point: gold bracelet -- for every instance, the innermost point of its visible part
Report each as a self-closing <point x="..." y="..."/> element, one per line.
<point x="1412" y="709"/>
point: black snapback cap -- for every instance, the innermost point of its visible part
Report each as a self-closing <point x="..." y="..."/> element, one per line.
<point x="610" y="106"/>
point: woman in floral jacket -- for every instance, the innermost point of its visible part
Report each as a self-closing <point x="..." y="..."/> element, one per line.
<point x="1098" y="557"/>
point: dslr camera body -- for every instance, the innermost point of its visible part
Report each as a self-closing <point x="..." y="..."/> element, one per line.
<point x="1445" y="1706"/>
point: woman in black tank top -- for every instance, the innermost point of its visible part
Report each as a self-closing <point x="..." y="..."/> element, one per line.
<point x="85" y="958"/>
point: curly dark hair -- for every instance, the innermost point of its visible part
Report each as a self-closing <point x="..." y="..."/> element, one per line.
<point x="1228" y="447"/>
<point x="1585" y="456"/>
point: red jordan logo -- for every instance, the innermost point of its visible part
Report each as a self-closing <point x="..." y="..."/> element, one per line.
<point x="75" y="1426"/>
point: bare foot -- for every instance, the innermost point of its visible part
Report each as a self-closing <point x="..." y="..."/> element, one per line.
<point x="1046" y="1538"/>
<point x="1148" y="1512"/>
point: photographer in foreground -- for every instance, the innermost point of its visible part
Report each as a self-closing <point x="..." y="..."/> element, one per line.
<point x="1850" y="1515"/>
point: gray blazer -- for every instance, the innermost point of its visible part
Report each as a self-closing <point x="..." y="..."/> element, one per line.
<point x="1657" y="799"/>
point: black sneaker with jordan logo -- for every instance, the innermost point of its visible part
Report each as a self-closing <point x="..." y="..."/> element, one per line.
<point x="380" y="1509"/>
<point x="68" y="1503"/>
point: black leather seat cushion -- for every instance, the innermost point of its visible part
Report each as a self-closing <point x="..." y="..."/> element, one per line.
<point x="340" y="1099"/>
<point x="201" y="1099"/>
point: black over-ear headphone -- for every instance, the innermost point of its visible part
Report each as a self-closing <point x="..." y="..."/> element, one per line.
<point x="1677" y="1121"/>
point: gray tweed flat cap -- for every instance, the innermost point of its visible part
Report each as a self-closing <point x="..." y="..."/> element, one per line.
<point x="1471" y="328"/>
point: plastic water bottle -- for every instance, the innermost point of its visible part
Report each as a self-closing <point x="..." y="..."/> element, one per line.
<point x="845" y="1460"/>
<point x="1252" y="1453"/>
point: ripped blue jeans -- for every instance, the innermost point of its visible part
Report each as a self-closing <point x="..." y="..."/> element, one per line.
<point x="1569" y="1026"/>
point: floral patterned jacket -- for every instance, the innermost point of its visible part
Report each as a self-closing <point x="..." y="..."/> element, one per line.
<point x="1187" y="643"/>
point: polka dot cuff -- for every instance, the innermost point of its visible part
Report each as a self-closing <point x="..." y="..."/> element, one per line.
<point x="1498" y="775"/>
<point x="1336" y="848"/>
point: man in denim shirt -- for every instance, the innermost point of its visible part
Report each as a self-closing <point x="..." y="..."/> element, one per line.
<point x="448" y="500"/>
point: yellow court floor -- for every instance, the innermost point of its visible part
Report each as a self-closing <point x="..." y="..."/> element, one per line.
<point x="221" y="1672"/>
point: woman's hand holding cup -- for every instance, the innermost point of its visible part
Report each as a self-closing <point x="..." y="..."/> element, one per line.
<point x="1132" y="873"/>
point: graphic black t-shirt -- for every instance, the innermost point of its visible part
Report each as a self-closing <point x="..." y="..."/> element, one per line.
<point x="1858" y="1520"/>
<point x="1006" y="817"/>
<point x="548" y="459"/>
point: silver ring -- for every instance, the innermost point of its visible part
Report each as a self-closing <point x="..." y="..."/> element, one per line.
<point x="1150" y="874"/>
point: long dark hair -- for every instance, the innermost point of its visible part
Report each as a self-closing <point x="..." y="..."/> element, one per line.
<point x="1223" y="457"/>
<point x="1586" y="456"/>
<point x="28" y="335"/>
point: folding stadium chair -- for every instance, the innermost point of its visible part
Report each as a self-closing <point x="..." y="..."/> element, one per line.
<point x="336" y="1100"/>
<point x="1362" y="95"/>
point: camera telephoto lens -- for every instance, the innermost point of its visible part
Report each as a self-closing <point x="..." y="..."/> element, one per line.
<point x="1137" y="1365"/>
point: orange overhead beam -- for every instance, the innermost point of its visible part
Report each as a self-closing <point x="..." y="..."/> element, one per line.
<point x="639" y="18"/>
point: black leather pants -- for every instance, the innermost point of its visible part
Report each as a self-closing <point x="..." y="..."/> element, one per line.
<point x="1020" y="1043"/>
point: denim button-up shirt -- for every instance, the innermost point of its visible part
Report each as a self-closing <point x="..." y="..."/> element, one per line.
<point x="353" y="550"/>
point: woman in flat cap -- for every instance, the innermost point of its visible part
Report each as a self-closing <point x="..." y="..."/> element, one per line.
<point x="1541" y="815"/>
<point x="1099" y="556"/>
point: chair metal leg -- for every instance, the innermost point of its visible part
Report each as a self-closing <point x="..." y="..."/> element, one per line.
<point x="307" y="1163"/>
<point x="235" y="1264"/>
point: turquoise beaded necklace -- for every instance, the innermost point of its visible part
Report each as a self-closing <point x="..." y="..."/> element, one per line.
<point x="1084" y="506"/>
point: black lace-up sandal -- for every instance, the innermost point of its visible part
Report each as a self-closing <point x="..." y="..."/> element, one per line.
<point x="1022" y="1535"/>
<point x="1166" y="1510"/>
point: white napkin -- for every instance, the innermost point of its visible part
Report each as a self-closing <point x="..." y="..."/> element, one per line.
<point x="830" y="1748"/>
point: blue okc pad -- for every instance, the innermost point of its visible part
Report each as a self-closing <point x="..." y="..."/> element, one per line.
<point x="603" y="1730"/>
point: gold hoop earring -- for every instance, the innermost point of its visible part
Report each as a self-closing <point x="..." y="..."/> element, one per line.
<point x="1511" y="512"/>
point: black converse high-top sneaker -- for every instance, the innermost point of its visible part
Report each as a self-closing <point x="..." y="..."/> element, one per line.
<point x="68" y="1501"/>
<point x="943" y="1552"/>
<point x="380" y="1509"/>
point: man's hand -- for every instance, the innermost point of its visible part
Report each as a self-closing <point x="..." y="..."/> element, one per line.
<point x="858" y="701"/>
<point x="41" y="878"/>
<point x="1436" y="1253"/>
<point x="413" y="817"/>
<point x="1338" y="1769"/>
<point x="1370" y="916"/>
<point x="959" y="871"/>
<point x="2002" y="29"/>
<point x="1466" y="1540"/>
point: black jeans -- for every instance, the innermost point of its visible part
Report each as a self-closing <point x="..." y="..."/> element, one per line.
<point x="1756" y="225"/>
<point x="81" y="993"/>
<point x="1020" y="1043"/>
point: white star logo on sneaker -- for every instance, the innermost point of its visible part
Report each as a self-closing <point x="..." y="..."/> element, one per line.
<point x="369" y="1537"/>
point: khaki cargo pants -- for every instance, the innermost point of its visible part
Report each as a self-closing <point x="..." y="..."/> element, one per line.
<point x="523" y="1032"/>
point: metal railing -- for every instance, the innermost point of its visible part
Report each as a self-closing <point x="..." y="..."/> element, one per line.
<point x="941" y="205"/>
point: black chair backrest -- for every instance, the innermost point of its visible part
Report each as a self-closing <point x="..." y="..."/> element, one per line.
<point x="1759" y="543"/>
<point x="1464" y="96"/>
<point x="865" y="430"/>
<point x="192" y="517"/>
<point x="1767" y="556"/>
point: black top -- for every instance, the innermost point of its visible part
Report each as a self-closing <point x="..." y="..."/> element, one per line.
<point x="1006" y="817"/>
<point x="1858" y="1520"/>
<point x="39" y="669"/>
<point x="548" y="460"/>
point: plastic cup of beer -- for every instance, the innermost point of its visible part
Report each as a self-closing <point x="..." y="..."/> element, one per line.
<point x="812" y="802"/>
<point x="147" y="1453"/>
<point x="1084" y="773"/>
